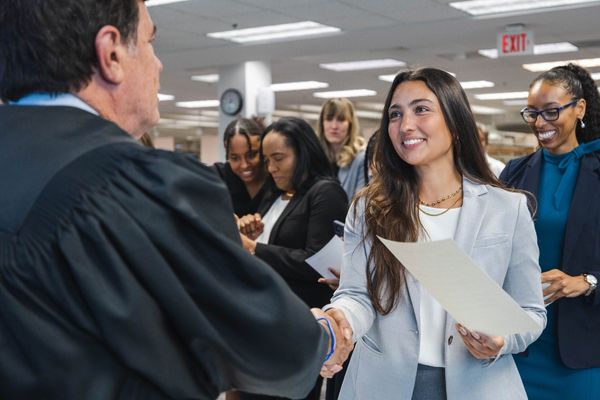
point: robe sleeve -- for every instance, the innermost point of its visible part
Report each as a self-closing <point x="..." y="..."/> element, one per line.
<point x="156" y="259"/>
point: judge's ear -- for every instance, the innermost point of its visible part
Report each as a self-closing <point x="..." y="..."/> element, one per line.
<point x="111" y="53"/>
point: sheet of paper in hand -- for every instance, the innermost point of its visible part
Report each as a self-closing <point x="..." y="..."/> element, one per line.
<point x="463" y="289"/>
<point x="330" y="255"/>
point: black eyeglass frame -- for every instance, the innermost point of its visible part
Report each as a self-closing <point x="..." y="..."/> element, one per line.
<point x="541" y="112"/>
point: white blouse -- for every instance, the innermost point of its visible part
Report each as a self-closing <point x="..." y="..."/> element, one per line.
<point x="270" y="218"/>
<point x="432" y="317"/>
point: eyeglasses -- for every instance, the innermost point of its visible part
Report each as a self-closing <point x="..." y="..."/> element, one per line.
<point x="549" y="114"/>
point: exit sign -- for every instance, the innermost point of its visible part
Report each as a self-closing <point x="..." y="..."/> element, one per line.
<point x="515" y="42"/>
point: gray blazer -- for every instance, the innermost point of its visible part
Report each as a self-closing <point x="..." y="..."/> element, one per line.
<point x="352" y="176"/>
<point x="496" y="230"/>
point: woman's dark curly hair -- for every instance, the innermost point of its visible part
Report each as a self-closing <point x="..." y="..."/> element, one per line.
<point x="578" y="82"/>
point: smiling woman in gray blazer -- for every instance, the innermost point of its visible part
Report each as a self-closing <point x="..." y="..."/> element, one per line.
<point x="433" y="183"/>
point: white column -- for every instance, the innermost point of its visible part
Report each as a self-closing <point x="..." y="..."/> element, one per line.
<point x="248" y="78"/>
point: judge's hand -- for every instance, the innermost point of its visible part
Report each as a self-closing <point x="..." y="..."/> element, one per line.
<point x="333" y="283"/>
<point x="251" y="225"/>
<point x="479" y="345"/>
<point x="563" y="285"/>
<point x="343" y="336"/>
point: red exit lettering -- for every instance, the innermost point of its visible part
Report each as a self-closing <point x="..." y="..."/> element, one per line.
<point x="514" y="43"/>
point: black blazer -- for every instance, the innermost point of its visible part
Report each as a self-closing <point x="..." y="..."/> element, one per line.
<point x="578" y="319"/>
<point x="304" y="227"/>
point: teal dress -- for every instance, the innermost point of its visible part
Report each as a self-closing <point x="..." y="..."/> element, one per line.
<point x="544" y="375"/>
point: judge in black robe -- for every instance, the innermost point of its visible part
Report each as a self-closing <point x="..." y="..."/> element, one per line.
<point x="122" y="274"/>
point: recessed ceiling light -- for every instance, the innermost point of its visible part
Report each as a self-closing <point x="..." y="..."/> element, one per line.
<point x="177" y="123"/>
<point x="288" y="113"/>
<point x="545" y="66"/>
<point x="476" y="84"/>
<point x="301" y="85"/>
<point x="275" y="32"/>
<point x="198" y="104"/>
<point x="502" y="96"/>
<point x="486" y="7"/>
<point x="363" y="64"/>
<point x="368" y="114"/>
<point x="387" y="78"/>
<point x="151" y="3"/>
<point x="210" y="113"/>
<point x="165" y="97"/>
<point x="485" y="110"/>
<point x="546" y="48"/>
<point x="515" y="102"/>
<point x="208" y="78"/>
<point x="370" y="105"/>
<point x="345" y="93"/>
<point x="306" y="107"/>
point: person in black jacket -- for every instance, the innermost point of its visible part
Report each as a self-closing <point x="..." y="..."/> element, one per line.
<point x="243" y="173"/>
<point x="563" y="111"/>
<point x="122" y="274"/>
<point x="296" y="219"/>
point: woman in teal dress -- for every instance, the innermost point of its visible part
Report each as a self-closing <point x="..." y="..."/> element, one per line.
<point x="563" y="111"/>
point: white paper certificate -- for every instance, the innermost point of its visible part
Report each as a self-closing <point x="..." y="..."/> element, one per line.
<point x="464" y="290"/>
<point x="330" y="255"/>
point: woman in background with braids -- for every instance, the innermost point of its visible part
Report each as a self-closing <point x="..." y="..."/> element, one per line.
<point x="563" y="111"/>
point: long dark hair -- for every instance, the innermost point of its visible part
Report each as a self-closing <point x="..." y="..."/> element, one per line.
<point x="392" y="198"/>
<point x="577" y="82"/>
<point x="311" y="161"/>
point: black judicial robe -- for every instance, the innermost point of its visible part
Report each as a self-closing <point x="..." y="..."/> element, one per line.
<point x="122" y="275"/>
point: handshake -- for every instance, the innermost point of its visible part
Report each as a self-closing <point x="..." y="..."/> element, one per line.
<point x="341" y="343"/>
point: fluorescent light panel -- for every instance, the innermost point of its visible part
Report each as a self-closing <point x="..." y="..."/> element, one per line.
<point x="502" y="96"/>
<point x="387" y="78"/>
<point x="486" y="7"/>
<point x="368" y="114"/>
<point x="208" y="78"/>
<point x="546" y="48"/>
<point x="596" y="76"/>
<point x="370" y="105"/>
<point x="275" y="32"/>
<point x="483" y="110"/>
<point x="165" y="97"/>
<point x="306" y="107"/>
<point x="476" y="84"/>
<point x="363" y="64"/>
<point x="198" y="104"/>
<point x="288" y="113"/>
<point x="544" y="66"/>
<point x="301" y="85"/>
<point x="345" y="93"/>
<point x="151" y="3"/>
<point x="515" y="103"/>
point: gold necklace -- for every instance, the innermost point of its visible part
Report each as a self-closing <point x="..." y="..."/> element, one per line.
<point x="442" y="199"/>
<point x="289" y="194"/>
<point x="443" y="212"/>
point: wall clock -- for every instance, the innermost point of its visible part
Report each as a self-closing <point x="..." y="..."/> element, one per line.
<point x="231" y="102"/>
